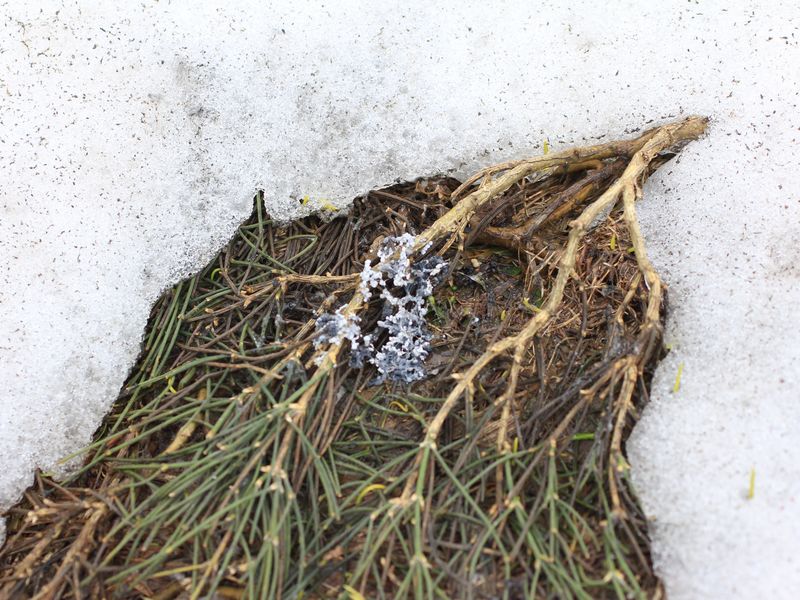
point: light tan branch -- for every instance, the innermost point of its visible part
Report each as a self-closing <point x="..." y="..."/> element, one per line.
<point x="627" y="184"/>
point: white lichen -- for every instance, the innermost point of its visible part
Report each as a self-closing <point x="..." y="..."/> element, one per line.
<point x="404" y="288"/>
<point x="334" y="328"/>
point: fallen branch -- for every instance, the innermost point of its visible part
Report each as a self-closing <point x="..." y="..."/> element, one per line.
<point x="626" y="186"/>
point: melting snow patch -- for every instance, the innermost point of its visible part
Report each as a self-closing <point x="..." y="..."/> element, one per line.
<point x="133" y="135"/>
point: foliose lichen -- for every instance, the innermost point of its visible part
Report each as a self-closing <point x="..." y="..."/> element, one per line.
<point x="404" y="288"/>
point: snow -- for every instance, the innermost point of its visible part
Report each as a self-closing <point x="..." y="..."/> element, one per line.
<point x="133" y="135"/>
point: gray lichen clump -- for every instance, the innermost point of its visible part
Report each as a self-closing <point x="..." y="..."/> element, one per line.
<point x="404" y="288"/>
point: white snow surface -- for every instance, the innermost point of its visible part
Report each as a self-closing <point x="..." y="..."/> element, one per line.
<point x="134" y="134"/>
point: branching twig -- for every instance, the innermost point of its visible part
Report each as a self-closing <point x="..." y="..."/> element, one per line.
<point x="655" y="142"/>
